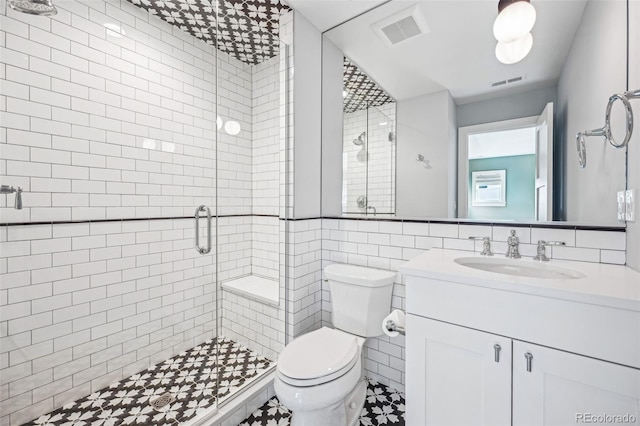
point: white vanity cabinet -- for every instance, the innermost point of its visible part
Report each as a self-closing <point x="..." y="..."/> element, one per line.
<point x="460" y="376"/>
<point x="482" y="349"/>
<point x="456" y="376"/>
<point x="564" y="388"/>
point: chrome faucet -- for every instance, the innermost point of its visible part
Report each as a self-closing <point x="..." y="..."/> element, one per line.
<point x="375" y="212"/>
<point x="541" y="254"/>
<point x="6" y="189"/>
<point x="513" y="244"/>
<point x="486" y="245"/>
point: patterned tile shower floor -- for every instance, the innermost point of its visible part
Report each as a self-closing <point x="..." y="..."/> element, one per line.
<point x="383" y="406"/>
<point x="189" y="378"/>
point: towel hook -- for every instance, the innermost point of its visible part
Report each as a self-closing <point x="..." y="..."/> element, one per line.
<point x="606" y="129"/>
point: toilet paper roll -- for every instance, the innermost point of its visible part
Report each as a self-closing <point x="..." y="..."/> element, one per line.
<point x="397" y="317"/>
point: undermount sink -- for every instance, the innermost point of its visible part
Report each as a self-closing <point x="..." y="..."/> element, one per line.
<point x="519" y="267"/>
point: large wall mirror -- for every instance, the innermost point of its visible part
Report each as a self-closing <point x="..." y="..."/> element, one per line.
<point x="421" y="119"/>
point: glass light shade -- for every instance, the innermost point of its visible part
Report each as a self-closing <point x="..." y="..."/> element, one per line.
<point x="514" y="51"/>
<point x="514" y="22"/>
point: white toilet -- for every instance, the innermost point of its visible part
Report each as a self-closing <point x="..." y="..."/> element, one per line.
<point x="319" y="375"/>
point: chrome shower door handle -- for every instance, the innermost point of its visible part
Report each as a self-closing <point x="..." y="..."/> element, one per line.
<point x="207" y="249"/>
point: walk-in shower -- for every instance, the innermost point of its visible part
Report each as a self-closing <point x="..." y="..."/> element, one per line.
<point x="118" y="306"/>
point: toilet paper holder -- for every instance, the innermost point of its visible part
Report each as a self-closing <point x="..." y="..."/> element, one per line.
<point x="392" y="326"/>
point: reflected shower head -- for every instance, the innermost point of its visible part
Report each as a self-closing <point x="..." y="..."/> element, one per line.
<point x="34" y="7"/>
<point x="360" y="139"/>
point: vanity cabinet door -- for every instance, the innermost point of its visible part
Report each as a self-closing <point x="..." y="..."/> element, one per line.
<point x="454" y="376"/>
<point x="563" y="388"/>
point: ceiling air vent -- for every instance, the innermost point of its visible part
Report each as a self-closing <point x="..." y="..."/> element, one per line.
<point x="508" y="81"/>
<point x="401" y="26"/>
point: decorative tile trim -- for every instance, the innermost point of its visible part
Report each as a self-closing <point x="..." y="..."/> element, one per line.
<point x="131" y="219"/>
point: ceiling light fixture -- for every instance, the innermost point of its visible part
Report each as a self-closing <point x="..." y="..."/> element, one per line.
<point x="512" y="28"/>
<point x="514" y="51"/>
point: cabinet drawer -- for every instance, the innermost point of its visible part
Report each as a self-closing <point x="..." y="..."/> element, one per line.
<point x="597" y="331"/>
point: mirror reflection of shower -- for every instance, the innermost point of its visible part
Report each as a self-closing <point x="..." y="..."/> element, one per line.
<point x="369" y="140"/>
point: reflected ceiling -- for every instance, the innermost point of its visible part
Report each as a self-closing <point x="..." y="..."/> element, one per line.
<point x="458" y="52"/>
<point x="360" y="91"/>
<point x="248" y="30"/>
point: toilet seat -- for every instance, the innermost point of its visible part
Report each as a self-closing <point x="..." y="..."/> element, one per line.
<point x="318" y="357"/>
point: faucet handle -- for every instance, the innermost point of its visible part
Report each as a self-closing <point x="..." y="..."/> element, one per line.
<point x="486" y="245"/>
<point x="18" y="200"/>
<point x="541" y="254"/>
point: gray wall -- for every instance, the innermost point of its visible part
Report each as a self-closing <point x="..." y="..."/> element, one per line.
<point x="508" y="107"/>
<point x="307" y="130"/>
<point x="633" y="228"/>
<point x="331" y="129"/>
<point x="424" y="127"/>
<point x="595" y="69"/>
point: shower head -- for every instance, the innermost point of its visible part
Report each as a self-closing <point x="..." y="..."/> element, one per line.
<point x="360" y="139"/>
<point x="34" y="7"/>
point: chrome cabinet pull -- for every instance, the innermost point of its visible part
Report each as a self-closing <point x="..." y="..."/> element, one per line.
<point x="496" y="352"/>
<point x="529" y="358"/>
<point x="207" y="249"/>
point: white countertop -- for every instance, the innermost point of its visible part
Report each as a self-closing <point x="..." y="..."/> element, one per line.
<point x="606" y="285"/>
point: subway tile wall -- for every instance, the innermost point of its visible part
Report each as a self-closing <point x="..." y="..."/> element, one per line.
<point x="369" y="171"/>
<point x="387" y="244"/>
<point x="84" y="305"/>
<point x="96" y="126"/>
<point x="266" y="137"/>
<point x="257" y="325"/>
<point x="304" y="276"/>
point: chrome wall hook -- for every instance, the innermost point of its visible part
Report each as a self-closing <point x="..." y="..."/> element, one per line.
<point x="606" y="129"/>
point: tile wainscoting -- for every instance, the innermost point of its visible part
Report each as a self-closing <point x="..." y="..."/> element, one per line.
<point x="387" y="244"/>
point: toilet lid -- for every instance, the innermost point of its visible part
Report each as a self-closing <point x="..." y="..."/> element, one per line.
<point x="317" y="354"/>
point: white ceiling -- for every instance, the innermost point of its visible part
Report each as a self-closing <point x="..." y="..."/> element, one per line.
<point x="325" y="14"/>
<point x="458" y="52"/>
<point x="503" y="143"/>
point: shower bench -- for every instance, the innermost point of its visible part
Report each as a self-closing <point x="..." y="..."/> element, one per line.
<point x="255" y="287"/>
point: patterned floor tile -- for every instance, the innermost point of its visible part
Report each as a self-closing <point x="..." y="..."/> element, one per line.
<point x="193" y="378"/>
<point x="383" y="406"/>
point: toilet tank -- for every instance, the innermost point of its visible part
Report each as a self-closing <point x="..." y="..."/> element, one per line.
<point x="360" y="297"/>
